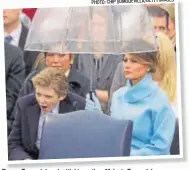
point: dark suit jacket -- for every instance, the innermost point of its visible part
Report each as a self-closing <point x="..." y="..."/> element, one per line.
<point x="22" y="139"/>
<point x="29" y="56"/>
<point x="78" y="83"/>
<point x="15" y="75"/>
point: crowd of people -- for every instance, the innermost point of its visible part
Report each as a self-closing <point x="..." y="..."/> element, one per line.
<point x="142" y="86"/>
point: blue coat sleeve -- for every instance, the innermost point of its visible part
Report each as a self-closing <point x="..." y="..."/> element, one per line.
<point x="163" y="131"/>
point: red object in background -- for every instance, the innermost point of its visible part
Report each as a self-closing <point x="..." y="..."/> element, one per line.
<point x="29" y="12"/>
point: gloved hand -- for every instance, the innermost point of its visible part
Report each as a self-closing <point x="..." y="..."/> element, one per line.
<point x="93" y="105"/>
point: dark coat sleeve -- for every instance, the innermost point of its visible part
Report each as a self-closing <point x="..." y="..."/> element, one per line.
<point x="29" y="59"/>
<point x="16" y="150"/>
<point x="27" y="88"/>
<point x="78" y="83"/>
<point x="85" y="87"/>
<point x="78" y="101"/>
<point x="14" y="79"/>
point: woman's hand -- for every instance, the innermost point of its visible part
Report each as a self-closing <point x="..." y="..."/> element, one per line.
<point x="93" y="105"/>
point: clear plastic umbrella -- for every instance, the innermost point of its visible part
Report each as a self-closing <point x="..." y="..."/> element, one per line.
<point x="92" y="30"/>
<point x="97" y="29"/>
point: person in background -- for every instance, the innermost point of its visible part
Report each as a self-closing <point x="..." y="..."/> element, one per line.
<point x="15" y="33"/>
<point x="170" y="8"/>
<point x="163" y="17"/>
<point x="166" y="72"/>
<point x="14" y="76"/>
<point x="78" y="83"/>
<point x="160" y="18"/>
<point x="145" y="103"/>
<point x="51" y="97"/>
<point x="99" y="67"/>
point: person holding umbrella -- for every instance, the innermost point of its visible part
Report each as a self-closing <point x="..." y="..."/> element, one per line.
<point x="144" y="102"/>
<point x="141" y="99"/>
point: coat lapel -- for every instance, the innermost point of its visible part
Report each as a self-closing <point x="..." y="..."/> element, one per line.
<point x="23" y="36"/>
<point x="106" y="68"/>
<point x="33" y="114"/>
<point x="66" y="105"/>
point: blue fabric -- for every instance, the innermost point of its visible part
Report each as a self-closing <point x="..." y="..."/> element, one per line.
<point x="8" y="39"/>
<point x="93" y="105"/>
<point x="154" y="120"/>
<point x="84" y="134"/>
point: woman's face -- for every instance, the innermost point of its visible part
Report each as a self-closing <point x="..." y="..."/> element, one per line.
<point x="134" y="70"/>
<point x="61" y="61"/>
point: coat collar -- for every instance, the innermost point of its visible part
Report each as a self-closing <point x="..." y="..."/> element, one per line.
<point x="74" y="77"/>
<point x="141" y="90"/>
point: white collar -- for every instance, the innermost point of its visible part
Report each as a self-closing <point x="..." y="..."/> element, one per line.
<point x="67" y="73"/>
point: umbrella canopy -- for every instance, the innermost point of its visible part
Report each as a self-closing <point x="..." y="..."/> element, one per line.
<point x="93" y="29"/>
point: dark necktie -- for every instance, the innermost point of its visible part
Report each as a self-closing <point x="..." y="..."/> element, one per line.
<point x="8" y="39"/>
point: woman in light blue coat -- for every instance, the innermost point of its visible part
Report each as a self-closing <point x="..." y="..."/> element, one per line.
<point x="144" y="102"/>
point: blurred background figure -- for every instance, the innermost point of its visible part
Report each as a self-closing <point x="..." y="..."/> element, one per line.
<point x="166" y="72"/>
<point x="14" y="74"/>
<point x="163" y="18"/>
<point x="160" y="18"/>
<point x="170" y="8"/>
<point x="100" y="67"/>
<point x="15" y="33"/>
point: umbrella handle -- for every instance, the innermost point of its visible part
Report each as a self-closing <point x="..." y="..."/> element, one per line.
<point x="91" y="96"/>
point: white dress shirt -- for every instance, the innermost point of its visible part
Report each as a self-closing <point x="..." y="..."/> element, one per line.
<point x="41" y="122"/>
<point x="15" y="35"/>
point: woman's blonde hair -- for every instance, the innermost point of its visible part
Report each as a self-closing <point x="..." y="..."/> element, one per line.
<point x="167" y="66"/>
<point x="40" y="61"/>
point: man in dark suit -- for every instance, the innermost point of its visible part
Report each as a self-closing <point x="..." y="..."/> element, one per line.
<point x="15" y="74"/>
<point x="78" y="83"/>
<point x="29" y="56"/>
<point x="51" y="97"/>
<point x="16" y="34"/>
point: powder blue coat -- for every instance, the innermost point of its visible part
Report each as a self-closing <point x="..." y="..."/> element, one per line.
<point x="149" y="108"/>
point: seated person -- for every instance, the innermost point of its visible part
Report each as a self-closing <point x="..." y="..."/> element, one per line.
<point x="78" y="83"/>
<point x="145" y="103"/>
<point x="51" y="97"/>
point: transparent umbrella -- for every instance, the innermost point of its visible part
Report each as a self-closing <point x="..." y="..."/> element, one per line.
<point x="92" y="30"/>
